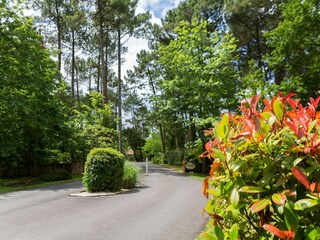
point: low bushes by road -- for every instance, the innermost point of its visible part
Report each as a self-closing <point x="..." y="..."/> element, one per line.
<point x="130" y="174"/>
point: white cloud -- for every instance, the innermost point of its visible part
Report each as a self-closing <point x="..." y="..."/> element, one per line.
<point x="157" y="9"/>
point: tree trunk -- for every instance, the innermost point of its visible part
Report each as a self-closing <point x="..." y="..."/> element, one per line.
<point x="99" y="73"/>
<point x="119" y="92"/>
<point x="59" y="32"/>
<point x="90" y="72"/>
<point x="162" y="135"/>
<point x="77" y="84"/>
<point x="102" y="57"/>
<point x="73" y="63"/>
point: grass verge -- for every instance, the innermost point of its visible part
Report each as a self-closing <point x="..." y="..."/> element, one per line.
<point x="200" y="176"/>
<point x="25" y="183"/>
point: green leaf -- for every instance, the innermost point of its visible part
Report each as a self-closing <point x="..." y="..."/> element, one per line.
<point x="279" y="198"/>
<point x="278" y="109"/>
<point x="251" y="189"/>
<point x="234" y="232"/>
<point x="307" y="204"/>
<point x="298" y="160"/>
<point x="266" y="178"/>
<point x="234" y="197"/>
<point x="260" y="205"/>
<point x="218" y="232"/>
<point x="288" y="139"/>
<point x="219" y="154"/>
<point x="312" y="233"/>
<point x="235" y="165"/>
<point x="311" y="125"/>
<point x="290" y="217"/>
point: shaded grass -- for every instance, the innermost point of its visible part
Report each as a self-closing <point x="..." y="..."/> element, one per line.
<point x="200" y="176"/>
<point x="25" y="183"/>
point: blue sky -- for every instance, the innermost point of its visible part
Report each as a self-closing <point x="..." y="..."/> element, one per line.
<point x="157" y="9"/>
<point x="160" y="7"/>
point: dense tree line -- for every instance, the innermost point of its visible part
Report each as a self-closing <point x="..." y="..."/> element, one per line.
<point x="203" y="59"/>
<point x="207" y="56"/>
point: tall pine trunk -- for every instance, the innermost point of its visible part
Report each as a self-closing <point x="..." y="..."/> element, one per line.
<point x="119" y="93"/>
<point x="102" y="57"/>
<point x="59" y="32"/>
<point x="73" y="64"/>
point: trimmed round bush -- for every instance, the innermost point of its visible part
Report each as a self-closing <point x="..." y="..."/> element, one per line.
<point x="130" y="174"/>
<point x="103" y="170"/>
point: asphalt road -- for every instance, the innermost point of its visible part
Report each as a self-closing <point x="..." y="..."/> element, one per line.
<point x="167" y="207"/>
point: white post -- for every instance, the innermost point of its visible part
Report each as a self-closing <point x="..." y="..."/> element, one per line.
<point x="146" y="165"/>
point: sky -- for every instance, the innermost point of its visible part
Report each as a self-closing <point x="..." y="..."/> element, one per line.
<point x="157" y="9"/>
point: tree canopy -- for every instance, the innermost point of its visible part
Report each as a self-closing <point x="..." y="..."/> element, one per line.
<point x="61" y="91"/>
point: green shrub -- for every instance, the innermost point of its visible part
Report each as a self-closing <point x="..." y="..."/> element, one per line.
<point x="153" y="146"/>
<point x="56" y="175"/>
<point x="130" y="174"/>
<point x="158" y="159"/>
<point x="103" y="170"/>
<point x="55" y="156"/>
<point x="264" y="179"/>
<point x="175" y="157"/>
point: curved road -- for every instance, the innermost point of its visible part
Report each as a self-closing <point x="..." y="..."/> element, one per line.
<point x="167" y="207"/>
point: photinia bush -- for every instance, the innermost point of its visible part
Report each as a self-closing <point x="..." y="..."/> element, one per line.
<point x="265" y="172"/>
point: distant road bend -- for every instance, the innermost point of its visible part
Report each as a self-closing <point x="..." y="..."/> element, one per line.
<point x="168" y="207"/>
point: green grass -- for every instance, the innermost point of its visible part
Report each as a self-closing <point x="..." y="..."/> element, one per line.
<point x="25" y="183"/>
<point x="200" y="176"/>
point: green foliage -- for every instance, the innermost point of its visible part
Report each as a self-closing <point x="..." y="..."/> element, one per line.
<point x="130" y="175"/>
<point x="153" y="146"/>
<point x="296" y="48"/>
<point x="193" y="150"/>
<point x="175" y="156"/>
<point x="94" y="126"/>
<point x="31" y="116"/>
<point x="134" y="140"/>
<point x="56" y="175"/>
<point x="199" y="60"/>
<point x="55" y="156"/>
<point x="265" y="171"/>
<point x="103" y="170"/>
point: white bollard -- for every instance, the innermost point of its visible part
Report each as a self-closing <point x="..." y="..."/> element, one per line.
<point x="146" y="165"/>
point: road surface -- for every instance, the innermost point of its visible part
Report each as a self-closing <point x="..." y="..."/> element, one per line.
<point x="167" y="207"/>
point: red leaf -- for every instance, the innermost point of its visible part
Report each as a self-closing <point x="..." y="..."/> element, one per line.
<point x="315" y="102"/>
<point x="254" y="102"/>
<point x="268" y="106"/>
<point x="293" y="103"/>
<point x="295" y="127"/>
<point x="257" y="124"/>
<point x="290" y="193"/>
<point x="216" y="216"/>
<point x="279" y="198"/>
<point x="289" y="96"/>
<point x="302" y="118"/>
<point x="313" y="186"/>
<point x="209" y="146"/>
<point x="274" y="230"/>
<point x="301" y="177"/>
<point x="259" y="205"/>
<point x="205" y="186"/>
<point x="214" y="167"/>
<point x="242" y="134"/>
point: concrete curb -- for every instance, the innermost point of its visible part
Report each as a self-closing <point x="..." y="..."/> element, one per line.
<point x="83" y="192"/>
